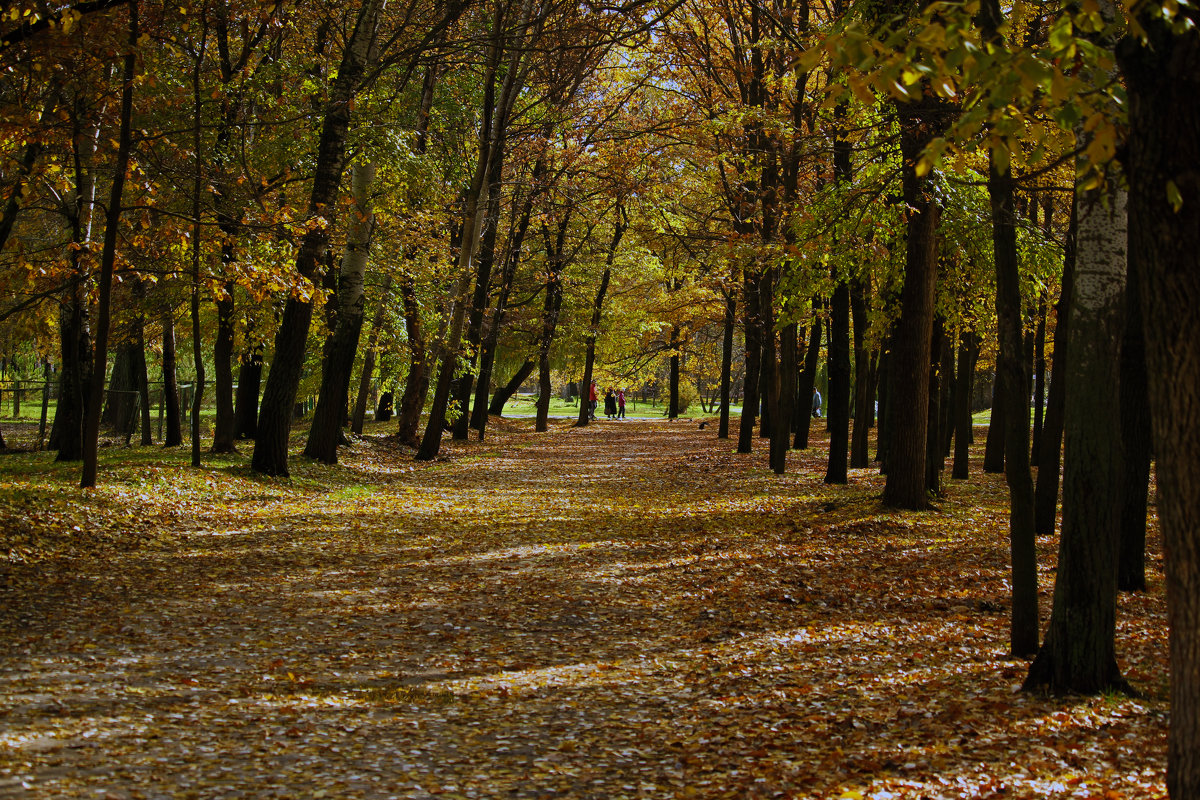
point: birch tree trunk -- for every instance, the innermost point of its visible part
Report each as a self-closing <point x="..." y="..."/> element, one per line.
<point x="326" y="429"/>
<point x="1079" y="651"/>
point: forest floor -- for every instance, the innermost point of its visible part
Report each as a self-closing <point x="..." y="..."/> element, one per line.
<point x="627" y="610"/>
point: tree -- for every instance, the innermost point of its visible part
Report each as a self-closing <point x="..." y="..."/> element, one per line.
<point x="619" y="226"/>
<point x="1161" y="63"/>
<point x="338" y="362"/>
<point x="495" y="114"/>
<point x="91" y="416"/>
<point x="279" y="395"/>
<point x="920" y="121"/>
<point x="1079" y="652"/>
<point x="356" y="67"/>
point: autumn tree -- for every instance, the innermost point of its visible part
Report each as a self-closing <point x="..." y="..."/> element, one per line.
<point x="365" y="37"/>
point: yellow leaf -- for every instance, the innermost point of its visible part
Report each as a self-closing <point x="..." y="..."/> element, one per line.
<point x="862" y="91"/>
<point x="1174" y="197"/>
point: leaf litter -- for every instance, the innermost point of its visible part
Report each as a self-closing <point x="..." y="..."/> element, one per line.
<point x="623" y="610"/>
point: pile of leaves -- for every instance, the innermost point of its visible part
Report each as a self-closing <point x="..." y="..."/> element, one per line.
<point x="624" y="610"/>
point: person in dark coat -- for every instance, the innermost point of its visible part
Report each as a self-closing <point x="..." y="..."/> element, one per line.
<point x="610" y="403"/>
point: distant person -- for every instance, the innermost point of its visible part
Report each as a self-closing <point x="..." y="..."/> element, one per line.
<point x="592" y="401"/>
<point x="816" y="403"/>
<point x="620" y="404"/>
<point x="610" y="403"/>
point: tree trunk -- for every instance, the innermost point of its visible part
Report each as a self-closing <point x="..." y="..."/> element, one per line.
<point x="225" y="422"/>
<point x="837" y="401"/>
<point x="495" y="115"/>
<point x="785" y="398"/>
<point x="934" y="458"/>
<point x="143" y="383"/>
<point x="1012" y="374"/>
<point x="420" y="365"/>
<point x="673" y="376"/>
<point x="993" y="449"/>
<point x="1079" y="652"/>
<point x="752" y="324"/>
<point x="479" y="301"/>
<point x="1039" y="380"/>
<point x="245" y="402"/>
<point x="198" y="102"/>
<point x="1050" y="458"/>
<point x="364" y="382"/>
<point x="108" y="257"/>
<point x="1163" y="76"/>
<point x="45" y="404"/>
<point x="479" y="413"/>
<point x="551" y="306"/>
<point x="509" y="389"/>
<point x="1135" y="433"/>
<point x="173" y="435"/>
<point x="1013" y="377"/>
<point x="24" y="168"/>
<point x="66" y="436"/>
<point x="326" y="430"/>
<point x="119" y="411"/>
<point x="279" y="395"/>
<point x="768" y="366"/>
<point x="589" y="359"/>
<point x="905" y="486"/>
<point x="968" y="352"/>
<point x="727" y="361"/>
<point x="808" y="377"/>
<point x="882" y="435"/>
<point x="859" y="454"/>
<point x="431" y="441"/>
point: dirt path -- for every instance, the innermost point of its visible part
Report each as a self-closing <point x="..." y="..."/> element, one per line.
<point x="627" y="610"/>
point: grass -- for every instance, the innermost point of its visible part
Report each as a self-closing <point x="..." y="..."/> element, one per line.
<point x="526" y="405"/>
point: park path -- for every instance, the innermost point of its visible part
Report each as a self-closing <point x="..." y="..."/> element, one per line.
<point x="625" y="610"/>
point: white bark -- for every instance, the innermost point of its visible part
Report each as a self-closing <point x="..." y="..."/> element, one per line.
<point x="1101" y="247"/>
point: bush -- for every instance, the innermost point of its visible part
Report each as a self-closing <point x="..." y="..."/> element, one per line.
<point x="688" y="394"/>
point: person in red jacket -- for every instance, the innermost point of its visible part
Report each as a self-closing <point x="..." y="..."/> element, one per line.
<point x="592" y="396"/>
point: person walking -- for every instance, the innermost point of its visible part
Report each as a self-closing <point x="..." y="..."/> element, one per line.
<point x="816" y="403"/>
<point x="610" y="403"/>
<point x="592" y="401"/>
<point x="620" y="404"/>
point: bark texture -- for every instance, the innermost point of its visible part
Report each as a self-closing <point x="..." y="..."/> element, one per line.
<point x="1135" y="435"/>
<point x="1050" y="456"/>
<point x="908" y="426"/>
<point x="338" y="364"/>
<point x="837" y="402"/>
<point x="173" y="432"/>
<point x="1079" y="651"/>
<point x="1163" y="77"/>
<point x="1013" y="378"/>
